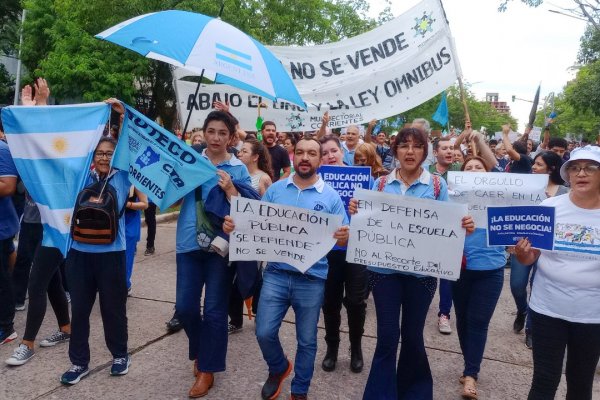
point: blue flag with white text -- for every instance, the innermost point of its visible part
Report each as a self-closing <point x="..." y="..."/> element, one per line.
<point x="441" y="115"/>
<point x="159" y="164"/>
<point x="52" y="147"/>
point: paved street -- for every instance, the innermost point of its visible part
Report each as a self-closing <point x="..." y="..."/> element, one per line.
<point x="160" y="368"/>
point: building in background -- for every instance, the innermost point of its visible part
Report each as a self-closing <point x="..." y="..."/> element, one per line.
<point x="500" y="106"/>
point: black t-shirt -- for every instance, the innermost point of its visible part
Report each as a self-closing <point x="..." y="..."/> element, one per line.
<point x="279" y="160"/>
<point x="523" y="166"/>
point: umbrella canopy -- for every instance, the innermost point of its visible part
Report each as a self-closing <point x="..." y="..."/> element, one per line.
<point x="203" y="44"/>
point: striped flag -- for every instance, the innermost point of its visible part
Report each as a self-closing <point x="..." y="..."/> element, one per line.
<point x="52" y="147"/>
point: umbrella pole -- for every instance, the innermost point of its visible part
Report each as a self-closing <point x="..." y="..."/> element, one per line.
<point x="187" y="121"/>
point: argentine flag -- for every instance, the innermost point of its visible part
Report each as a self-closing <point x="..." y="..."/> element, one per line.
<point x="52" y="147"/>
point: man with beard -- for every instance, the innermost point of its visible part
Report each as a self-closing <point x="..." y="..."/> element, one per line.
<point x="279" y="156"/>
<point x="285" y="286"/>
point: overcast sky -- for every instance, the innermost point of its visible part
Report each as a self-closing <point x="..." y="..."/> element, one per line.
<point x="511" y="52"/>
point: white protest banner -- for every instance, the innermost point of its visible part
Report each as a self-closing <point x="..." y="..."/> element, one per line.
<point x="399" y="232"/>
<point x="482" y="189"/>
<point x="381" y="73"/>
<point x="274" y="232"/>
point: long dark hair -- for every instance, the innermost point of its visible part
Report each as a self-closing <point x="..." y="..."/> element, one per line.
<point x="264" y="157"/>
<point x="553" y="161"/>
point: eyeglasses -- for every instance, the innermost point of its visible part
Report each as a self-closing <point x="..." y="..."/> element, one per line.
<point x="104" y="154"/>
<point x="589" y="169"/>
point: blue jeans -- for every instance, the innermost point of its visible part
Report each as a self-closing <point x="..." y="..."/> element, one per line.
<point x="475" y="294"/>
<point x="207" y="333"/>
<point x="280" y="290"/>
<point x="520" y="275"/>
<point x="445" y="297"/>
<point x="411" y="377"/>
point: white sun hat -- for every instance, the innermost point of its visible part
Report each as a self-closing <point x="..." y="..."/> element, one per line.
<point x="588" y="152"/>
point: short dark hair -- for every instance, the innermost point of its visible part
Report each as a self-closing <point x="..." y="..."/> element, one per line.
<point x="417" y="136"/>
<point x="267" y="123"/>
<point x="436" y="142"/>
<point x="220" y="116"/>
<point x="493" y="141"/>
<point x="557" y="142"/>
<point x="311" y="139"/>
<point x="107" y="139"/>
<point x="520" y="147"/>
<point x="330" y="138"/>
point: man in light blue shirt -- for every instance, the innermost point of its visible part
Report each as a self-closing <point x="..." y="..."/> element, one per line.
<point x="285" y="286"/>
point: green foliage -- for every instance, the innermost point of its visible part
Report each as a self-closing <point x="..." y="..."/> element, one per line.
<point x="481" y="112"/>
<point x="7" y="86"/>
<point x="589" y="49"/>
<point x="570" y="122"/>
<point x="10" y="13"/>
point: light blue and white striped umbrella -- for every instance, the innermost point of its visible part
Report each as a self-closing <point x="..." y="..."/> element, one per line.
<point x="208" y="46"/>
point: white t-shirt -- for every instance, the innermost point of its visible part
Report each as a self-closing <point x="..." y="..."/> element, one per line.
<point x="567" y="283"/>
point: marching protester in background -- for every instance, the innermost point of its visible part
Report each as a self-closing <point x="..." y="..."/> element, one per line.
<point x="382" y="148"/>
<point x="346" y="284"/>
<point x="501" y="158"/>
<point x="280" y="161"/>
<point x="520" y="162"/>
<point x="197" y="137"/>
<point x="44" y="273"/>
<point x="565" y="299"/>
<point x="256" y="158"/>
<point x="365" y="156"/>
<point x="100" y="268"/>
<point x="200" y="270"/>
<point x="393" y="291"/>
<point x="289" y="145"/>
<point x="546" y="162"/>
<point x="285" y="286"/>
<point x="423" y="124"/>
<point x="476" y="294"/>
<point x="150" y="218"/>
<point x="133" y="225"/>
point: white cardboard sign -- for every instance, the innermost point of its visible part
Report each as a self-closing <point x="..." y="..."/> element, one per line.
<point x="399" y="233"/>
<point x="274" y="232"/>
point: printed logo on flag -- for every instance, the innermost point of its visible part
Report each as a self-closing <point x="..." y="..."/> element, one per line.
<point x="148" y="157"/>
<point x="423" y="24"/>
<point x="232" y="56"/>
<point x="60" y="144"/>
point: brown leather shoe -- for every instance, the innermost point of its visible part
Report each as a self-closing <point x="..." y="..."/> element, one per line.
<point x="203" y="383"/>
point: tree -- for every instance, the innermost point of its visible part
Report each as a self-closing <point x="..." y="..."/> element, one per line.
<point x="481" y="113"/>
<point x="7" y="86"/>
<point x="10" y="12"/>
<point x="59" y="42"/>
<point x="583" y="9"/>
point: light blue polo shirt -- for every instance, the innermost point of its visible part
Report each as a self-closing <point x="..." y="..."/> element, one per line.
<point x="421" y="188"/>
<point x="186" y="223"/>
<point x="348" y="154"/>
<point x="479" y="256"/>
<point x="9" y="222"/>
<point x="119" y="181"/>
<point x="319" y="197"/>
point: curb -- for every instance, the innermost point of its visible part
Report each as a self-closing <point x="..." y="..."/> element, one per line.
<point x="162" y="218"/>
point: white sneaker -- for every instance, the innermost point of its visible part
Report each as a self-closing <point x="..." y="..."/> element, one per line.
<point x="21" y="355"/>
<point x="444" y="325"/>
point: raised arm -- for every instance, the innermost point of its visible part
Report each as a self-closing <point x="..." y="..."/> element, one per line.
<point x="323" y="128"/>
<point x="512" y="153"/>
<point x="368" y="138"/>
<point x="484" y="150"/>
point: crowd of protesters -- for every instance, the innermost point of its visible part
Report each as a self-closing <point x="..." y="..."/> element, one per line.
<point x="561" y="316"/>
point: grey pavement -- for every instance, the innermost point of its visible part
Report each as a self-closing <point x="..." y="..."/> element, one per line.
<point x="161" y="370"/>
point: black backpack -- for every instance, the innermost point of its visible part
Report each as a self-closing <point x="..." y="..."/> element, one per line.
<point x="96" y="214"/>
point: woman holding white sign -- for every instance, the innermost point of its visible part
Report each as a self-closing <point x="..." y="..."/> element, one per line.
<point x="410" y="377"/>
<point x="475" y="295"/>
<point x="565" y="299"/>
<point x="346" y="284"/>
